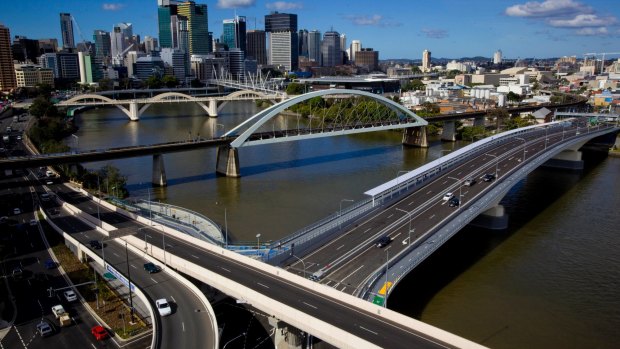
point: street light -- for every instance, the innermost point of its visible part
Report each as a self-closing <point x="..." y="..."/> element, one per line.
<point x="302" y="262"/>
<point x="77" y="141"/>
<point x="129" y="283"/>
<point x="146" y="245"/>
<point x="496" y="164"/>
<point x="387" y="261"/>
<point x="524" y="146"/>
<point x="258" y="241"/>
<point x="340" y="211"/>
<point x="410" y="213"/>
<point x="398" y="176"/>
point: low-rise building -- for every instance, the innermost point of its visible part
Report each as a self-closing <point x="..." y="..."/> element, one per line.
<point x="32" y="75"/>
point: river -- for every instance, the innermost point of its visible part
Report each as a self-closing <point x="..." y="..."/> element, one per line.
<point x="551" y="280"/>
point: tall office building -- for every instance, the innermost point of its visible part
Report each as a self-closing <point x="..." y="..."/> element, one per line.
<point x="103" y="45"/>
<point x="426" y="61"/>
<point x="7" y="71"/>
<point x="66" y="31"/>
<point x="356" y="46"/>
<point x="283" y="41"/>
<point x="303" y="42"/>
<point x="234" y="35"/>
<point x="48" y="45"/>
<point x="198" y="26"/>
<point x="497" y="57"/>
<point x="121" y="39"/>
<point x="343" y="42"/>
<point x="367" y="58"/>
<point x="150" y="44"/>
<point x="25" y="49"/>
<point x="330" y="49"/>
<point x="165" y="10"/>
<point x="256" y="46"/>
<point x="314" y="46"/>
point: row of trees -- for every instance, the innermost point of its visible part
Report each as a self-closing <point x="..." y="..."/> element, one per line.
<point x="348" y="110"/>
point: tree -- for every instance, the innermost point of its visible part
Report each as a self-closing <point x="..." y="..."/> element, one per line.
<point x="428" y="109"/>
<point x="513" y="97"/>
<point x="452" y="73"/>
<point x="196" y="83"/>
<point x="295" y="89"/>
<point x="43" y="107"/>
<point x="498" y="114"/>
<point x="416" y="70"/>
<point x="105" y="84"/>
<point x="170" y="81"/>
<point x="44" y="90"/>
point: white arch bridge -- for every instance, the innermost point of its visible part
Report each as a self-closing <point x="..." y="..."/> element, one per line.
<point x="319" y="114"/>
<point x="133" y="108"/>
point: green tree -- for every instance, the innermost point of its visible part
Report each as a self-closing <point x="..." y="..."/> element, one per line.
<point x="170" y="81"/>
<point x="153" y="82"/>
<point x="44" y="90"/>
<point x="513" y="97"/>
<point x="416" y="70"/>
<point x="472" y="133"/>
<point x="105" y="84"/>
<point x="452" y="73"/>
<point x="295" y="89"/>
<point x="43" y="107"/>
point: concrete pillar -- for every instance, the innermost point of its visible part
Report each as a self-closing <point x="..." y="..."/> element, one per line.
<point x="159" y="171"/>
<point x="567" y="159"/>
<point x="415" y="136"/>
<point x="286" y="336"/>
<point x="134" y="111"/>
<point x="227" y="161"/>
<point x="212" y="108"/>
<point x="494" y="218"/>
<point x="449" y="131"/>
<point x="479" y="121"/>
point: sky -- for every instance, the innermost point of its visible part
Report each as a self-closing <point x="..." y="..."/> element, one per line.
<point x="396" y="28"/>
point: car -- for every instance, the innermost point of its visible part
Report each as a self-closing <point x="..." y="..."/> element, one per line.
<point x="3" y="219"/>
<point x="152" y="268"/>
<point x="33" y="222"/>
<point x="448" y="196"/>
<point x="163" y="307"/>
<point x="70" y="296"/>
<point x="17" y="272"/>
<point x="488" y="177"/>
<point x="470" y="181"/>
<point x="384" y="241"/>
<point x="49" y="182"/>
<point x="99" y="332"/>
<point x="95" y="244"/>
<point x="44" y="329"/>
<point x="17" y="211"/>
<point x="45" y="197"/>
<point x="50" y="264"/>
<point x="453" y="202"/>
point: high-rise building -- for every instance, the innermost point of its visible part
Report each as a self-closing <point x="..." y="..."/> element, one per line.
<point x="66" y="31"/>
<point x="343" y="42"/>
<point x="497" y="57"/>
<point x="86" y="70"/>
<point x="314" y="46"/>
<point x="176" y="59"/>
<point x="426" y="61"/>
<point x="367" y="58"/>
<point x="198" y="26"/>
<point x="234" y="35"/>
<point x="283" y="41"/>
<point x="48" y="45"/>
<point x="7" y="71"/>
<point x="103" y="45"/>
<point x="24" y="49"/>
<point x="165" y="10"/>
<point x="149" y="66"/>
<point x="256" y="46"/>
<point x="150" y="44"/>
<point x="356" y="46"/>
<point x="121" y="40"/>
<point x="303" y="42"/>
<point x="236" y="63"/>
<point x="330" y="49"/>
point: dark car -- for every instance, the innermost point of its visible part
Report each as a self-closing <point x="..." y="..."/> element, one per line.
<point x="152" y="268"/>
<point x="488" y="177"/>
<point x="384" y="241"/>
<point x="50" y="264"/>
<point x="95" y="244"/>
<point x="454" y="201"/>
<point x="44" y="329"/>
<point x="470" y="181"/>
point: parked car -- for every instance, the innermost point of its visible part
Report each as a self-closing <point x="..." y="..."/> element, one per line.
<point x="152" y="268"/>
<point x="17" y="211"/>
<point x="470" y="181"/>
<point x="163" y="307"/>
<point x="44" y="329"/>
<point x="384" y="241"/>
<point x="488" y="177"/>
<point x="70" y="296"/>
<point x="448" y="196"/>
<point x="99" y="332"/>
<point x="33" y="222"/>
<point x="95" y="244"/>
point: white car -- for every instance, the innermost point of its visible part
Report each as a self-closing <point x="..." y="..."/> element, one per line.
<point x="448" y="196"/>
<point x="17" y="211"/>
<point x="33" y="222"/>
<point x="163" y="307"/>
<point x="70" y="296"/>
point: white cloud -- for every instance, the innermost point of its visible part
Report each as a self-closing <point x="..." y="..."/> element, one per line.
<point x="548" y="8"/>
<point x="602" y="31"/>
<point x="235" y="3"/>
<point x="374" y="20"/>
<point x="112" y="7"/>
<point x="284" y="6"/>
<point x="581" y="21"/>
<point x="435" y="33"/>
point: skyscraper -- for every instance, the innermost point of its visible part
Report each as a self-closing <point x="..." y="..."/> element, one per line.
<point x="283" y="40"/>
<point x="343" y="42"/>
<point x="165" y="10"/>
<point x="426" y="61"/>
<point x="234" y="35"/>
<point x="7" y="71"/>
<point x="121" y="39"/>
<point x="198" y="26"/>
<point x="66" y="31"/>
<point x="103" y="45"/>
<point x="330" y="49"/>
<point x="497" y="57"/>
<point x="314" y="46"/>
<point x="256" y="46"/>
<point x="303" y="42"/>
<point x="356" y="45"/>
<point x="367" y="58"/>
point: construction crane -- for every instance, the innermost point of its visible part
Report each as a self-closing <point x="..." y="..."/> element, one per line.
<point x="602" y="54"/>
<point x="84" y="42"/>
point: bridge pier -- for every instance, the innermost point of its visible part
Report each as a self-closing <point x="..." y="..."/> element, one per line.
<point x="494" y="218"/>
<point x="212" y="109"/>
<point x="159" y="171"/>
<point x="449" y="131"/>
<point x="479" y="121"/>
<point x="286" y="336"/>
<point x="227" y="161"/>
<point x="415" y="136"/>
<point x="134" y="111"/>
<point x="568" y="159"/>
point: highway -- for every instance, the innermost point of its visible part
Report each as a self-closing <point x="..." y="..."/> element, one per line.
<point x="353" y="256"/>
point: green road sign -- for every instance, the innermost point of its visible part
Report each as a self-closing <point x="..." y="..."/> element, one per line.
<point x="378" y="300"/>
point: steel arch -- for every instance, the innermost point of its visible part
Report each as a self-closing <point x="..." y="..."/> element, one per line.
<point x="264" y="116"/>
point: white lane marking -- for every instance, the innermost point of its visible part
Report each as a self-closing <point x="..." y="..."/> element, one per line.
<point x="390" y="216"/>
<point x="373" y="332"/>
<point x="409" y="204"/>
<point x="225" y="269"/>
<point x="353" y="272"/>
<point x="174" y="300"/>
<point x="193" y="255"/>
<point x="365" y="231"/>
<point x="92" y="345"/>
<point x="310" y="305"/>
<point x="342" y="290"/>
<point x="133" y="266"/>
<point x="444" y="182"/>
<point x="155" y="281"/>
<point x="339" y="247"/>
<point x="183" y="325"/>
<point x="265" y="286"/>
<point x="328" y="282"/>
<point x="428" y="192"/>
<point x="431" y="217"/>
<point x="458" y="173"/>
<point x="116" y="254"/>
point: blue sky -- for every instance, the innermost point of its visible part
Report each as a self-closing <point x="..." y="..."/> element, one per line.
<point x="397" y="28"/>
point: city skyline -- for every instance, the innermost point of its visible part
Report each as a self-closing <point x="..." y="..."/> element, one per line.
<point x="560" y="27"/>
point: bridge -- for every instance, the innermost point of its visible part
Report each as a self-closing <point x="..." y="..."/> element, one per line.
<point x="133" y="108"/>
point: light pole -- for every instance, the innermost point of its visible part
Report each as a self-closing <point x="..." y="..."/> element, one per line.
<point x="410" y="214"/>
<point x="258" y="241"/>
<point x="77" y="141"/>
<point x="387" y="287"/>
<point x="129" y="284"/>
<point x="496" y="164"/>
<point x="103" y="249"/>
<point x="460" y="188"/>
<point x="398" y="176"/>
<point x="524" y="146"/>
<point x="546" y="138"/>
<point x="340" y="211"/>
<point x="146" y="245"/>
<point x="99" y="203"/>
<point x="302" y="262"/>
<point x="225" y="226"/>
